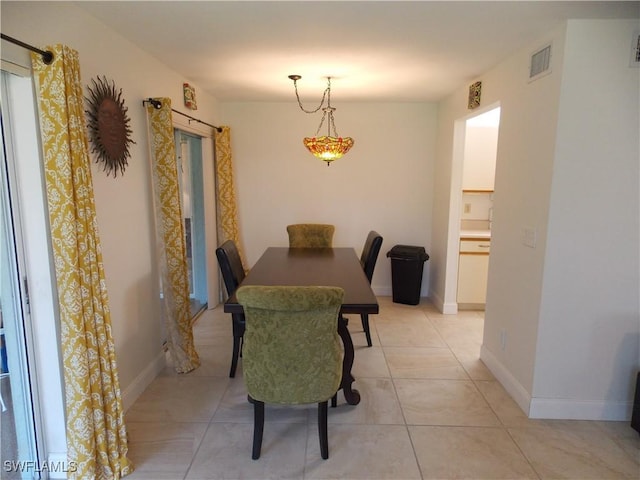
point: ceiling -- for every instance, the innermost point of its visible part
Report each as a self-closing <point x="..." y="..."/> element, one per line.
<point x="375" y="51"/>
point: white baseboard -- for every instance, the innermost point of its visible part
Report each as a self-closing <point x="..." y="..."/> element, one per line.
<point x="382" y="291"/>
<point x="387" y="291"/>
<point x="554" y="408"/>
<point x="480" y="307"/>
<point x="568" y="409"/>
<point x="445" y="308"/>
<point x="508" y="381"/>
<point x="449" y="308"/>
<point x="57" y="465"/>
<point x="142" y="381"/>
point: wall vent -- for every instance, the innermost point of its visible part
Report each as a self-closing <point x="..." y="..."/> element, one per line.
<point x="540" y="63"/>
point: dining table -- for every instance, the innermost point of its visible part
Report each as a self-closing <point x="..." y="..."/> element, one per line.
<point x="338" y="267"/>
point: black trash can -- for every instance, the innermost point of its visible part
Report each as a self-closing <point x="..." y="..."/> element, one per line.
<point x="407" y="263"/>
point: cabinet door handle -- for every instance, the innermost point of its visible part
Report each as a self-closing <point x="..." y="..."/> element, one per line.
<point x="484" y="246"/>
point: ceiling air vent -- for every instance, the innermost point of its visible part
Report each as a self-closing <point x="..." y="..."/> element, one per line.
<point x="540" y="63"/>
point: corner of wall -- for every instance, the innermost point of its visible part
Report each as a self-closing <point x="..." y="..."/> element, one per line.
<point x="450" y="308"/>
<point x="519" y="394"/>
<point x="142" y="381"/>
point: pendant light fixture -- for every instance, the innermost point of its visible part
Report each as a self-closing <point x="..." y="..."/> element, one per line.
<point x="327" y="148"/>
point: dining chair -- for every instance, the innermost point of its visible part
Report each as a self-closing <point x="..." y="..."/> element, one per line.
<point x="232" y="273"/>
<point x="292" y="353"/>
<point x="368" y="261"/>
<point x="310" y="235"/>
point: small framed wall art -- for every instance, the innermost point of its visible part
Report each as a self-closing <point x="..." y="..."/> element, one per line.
<point x="189" y="96"/>
<point x="474" y="95"/>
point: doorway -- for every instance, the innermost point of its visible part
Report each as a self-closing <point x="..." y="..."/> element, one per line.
<point x="190" y="173"/>
<point x="476" y="216"/>
<point x="477" y="186"/>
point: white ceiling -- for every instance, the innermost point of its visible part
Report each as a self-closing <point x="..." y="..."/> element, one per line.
<point x="373" y="50"/>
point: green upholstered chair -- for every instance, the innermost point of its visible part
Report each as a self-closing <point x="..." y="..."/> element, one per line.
<point x="310" y="235"/>
<point x="292" y="353"/>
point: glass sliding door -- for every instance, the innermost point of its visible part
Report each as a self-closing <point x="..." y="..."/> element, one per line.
<point x="189" y="155"/>
<point x="17" y="425"/>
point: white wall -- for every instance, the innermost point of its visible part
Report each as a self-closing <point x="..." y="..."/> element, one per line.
<point x="523" y="170"/>
<point x="384" y="183"/>
<point x="567" y="167"/>
<point x="123" y="204"/>
<point x="524" y="173"/>
<point x="588" y="345"/>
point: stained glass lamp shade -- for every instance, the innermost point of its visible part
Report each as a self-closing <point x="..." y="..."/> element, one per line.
<point x="328" y="148"/>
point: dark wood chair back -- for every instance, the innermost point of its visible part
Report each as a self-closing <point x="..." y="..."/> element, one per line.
<point x="230" y="266"/>
<point x="370" y="253"/>
<point x="232" y="274"/>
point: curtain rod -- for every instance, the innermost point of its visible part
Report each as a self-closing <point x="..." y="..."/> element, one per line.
<point x="158" y="104"/>
<point x="47" y="57"/>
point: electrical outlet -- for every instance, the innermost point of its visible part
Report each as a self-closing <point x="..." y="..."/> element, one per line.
<point x="467" y="208"/>
<point x="503" y="338"/>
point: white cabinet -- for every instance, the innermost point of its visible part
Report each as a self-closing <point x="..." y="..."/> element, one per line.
<point x="473" y="268"/>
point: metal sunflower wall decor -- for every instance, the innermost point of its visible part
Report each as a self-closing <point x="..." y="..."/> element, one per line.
<point x="109" y="130"/>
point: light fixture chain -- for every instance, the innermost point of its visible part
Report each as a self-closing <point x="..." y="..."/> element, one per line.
<point x="324" y="95"/>
<point x="332" y="124"/>
<point x="324" y="115"/>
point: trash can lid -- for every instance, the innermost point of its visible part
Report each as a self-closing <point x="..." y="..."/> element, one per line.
<point x="408" y="252"/>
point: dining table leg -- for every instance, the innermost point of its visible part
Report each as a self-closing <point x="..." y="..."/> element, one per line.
<point x="350" y="394"/>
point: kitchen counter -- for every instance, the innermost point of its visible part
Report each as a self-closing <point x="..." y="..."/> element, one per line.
<point x="475" y="234"/>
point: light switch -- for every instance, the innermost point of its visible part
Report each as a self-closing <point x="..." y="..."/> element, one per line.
<point x="529" y="237"/>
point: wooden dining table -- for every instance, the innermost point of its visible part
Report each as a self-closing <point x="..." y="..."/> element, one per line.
<point x="338" y="267"/>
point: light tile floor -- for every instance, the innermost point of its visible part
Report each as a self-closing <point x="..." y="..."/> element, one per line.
<point x="430" y="410"/>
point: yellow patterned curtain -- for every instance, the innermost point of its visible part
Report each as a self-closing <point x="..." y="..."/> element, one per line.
<point x="96" y="433"/>
<point x="171" y="247"/>
<point x="226" y="207"/>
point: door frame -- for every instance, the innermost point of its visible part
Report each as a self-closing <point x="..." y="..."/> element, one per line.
<point x="210" y="211"/>
<point x="450" y="302"/>
<point x="42" y="331"/>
